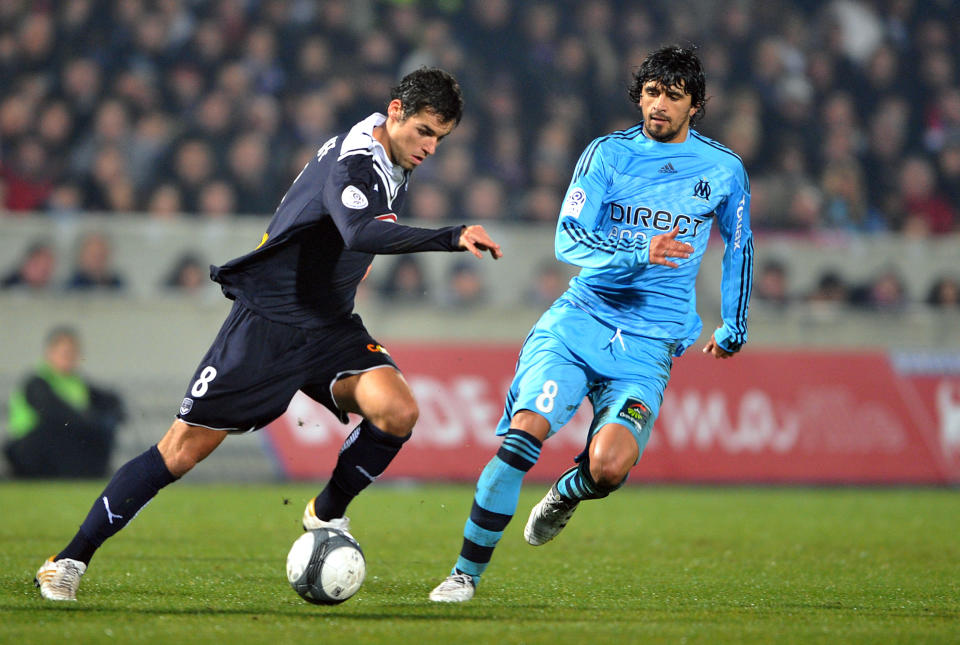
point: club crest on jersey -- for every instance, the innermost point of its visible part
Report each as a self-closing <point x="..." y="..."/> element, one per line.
<point x="702" y="189"/>
<point x="636" y="412"/>
<point x="353" y="198"/>
<point x="574" y="203"/>
<point x="186" y="406"/>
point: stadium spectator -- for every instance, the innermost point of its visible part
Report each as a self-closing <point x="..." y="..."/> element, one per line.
<point x="405" y="281"/>
<point x="66" y="200"/>
<point x="93" y="266"/>
<point x="430" y="201"/>
<point x="886" y="292"/>
<point x="217" y="199"/>
<point x="165" y="201"/>
<point x="214" y="123"/>
<point x="189" y="275"/>
<point x="943" y="122"/>
<point x="830" y="290"/>
<point x="944" y="293"/>
<point x="28" y="176"/>
<point x="771" y="285"/>
<point x="55" y="128"/>
<point x="804" y="210"/>
<point x="111" y="130"/>
<point x="61" y="425"/>
<point x="150" y="142"/>
<point x="925" y="210"/>
<point x="549" y="282"/>
<point x="541" y="204"/>
<point x="948" y="165"/>
<point x="465" y="287"/>
<point x="193" y="166"/>
<point x="886" y="145"/>
<point x="845" y="199"/>
<point x="485" y="199"/>
<point x="257" y="191"/>
<point x="107" y="187"/>
<point x="35" y="269"/>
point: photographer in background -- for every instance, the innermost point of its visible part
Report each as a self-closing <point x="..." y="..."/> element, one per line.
<point x="60" y="425"/>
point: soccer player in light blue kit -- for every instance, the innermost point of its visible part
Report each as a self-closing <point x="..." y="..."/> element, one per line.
<point x="636" y="219"/>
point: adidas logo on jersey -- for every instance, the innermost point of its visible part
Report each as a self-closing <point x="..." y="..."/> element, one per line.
<point x="668" y="168"/>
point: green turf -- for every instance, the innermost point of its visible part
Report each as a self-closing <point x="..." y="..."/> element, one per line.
<point x="205" y="564"/>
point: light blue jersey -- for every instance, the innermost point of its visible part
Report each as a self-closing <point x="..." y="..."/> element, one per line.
<point x="627" y="188"/>
<point x="612" y="335"/>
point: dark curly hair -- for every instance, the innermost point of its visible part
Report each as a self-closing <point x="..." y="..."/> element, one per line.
<point x="432" y="89"/>
<point x="673" y="66"/>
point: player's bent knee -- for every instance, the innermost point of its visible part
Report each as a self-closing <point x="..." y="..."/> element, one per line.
<point x="610" y="469"/>
<point x="609" y="474"/>
<point x="400" y="419"/>
<point x="613" y="452"/>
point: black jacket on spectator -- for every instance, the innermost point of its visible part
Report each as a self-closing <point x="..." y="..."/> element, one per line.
<point x="66" y="442"/>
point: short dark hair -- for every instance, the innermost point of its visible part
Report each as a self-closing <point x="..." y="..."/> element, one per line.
<point x="432" y="89"/>
<point x="673" y="66"/>
<point x="59" y="332"/>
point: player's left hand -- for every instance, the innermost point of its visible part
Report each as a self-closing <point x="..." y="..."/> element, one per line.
<point x="666" y="246"/>
<point x="715" y="350"/>
<point x="475" y="239"/>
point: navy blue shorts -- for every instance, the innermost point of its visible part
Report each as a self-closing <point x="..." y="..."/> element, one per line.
<point x="255" y="366"/>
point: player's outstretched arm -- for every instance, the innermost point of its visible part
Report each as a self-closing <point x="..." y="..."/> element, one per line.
<point x="475" y="239"/>
<point x="667" y="246"/>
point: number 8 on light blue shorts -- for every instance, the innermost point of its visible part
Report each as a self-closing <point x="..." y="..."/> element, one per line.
<point x="570" y="355"/>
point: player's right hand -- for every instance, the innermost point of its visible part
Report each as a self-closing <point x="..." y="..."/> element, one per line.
<point x="667" y="246"/>
<point x="475" y="239"/>
<point x="713" y="349"/>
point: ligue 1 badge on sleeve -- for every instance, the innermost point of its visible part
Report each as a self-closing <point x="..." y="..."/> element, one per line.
<point x="574" y="202"/>
<point x="353" y="197"/>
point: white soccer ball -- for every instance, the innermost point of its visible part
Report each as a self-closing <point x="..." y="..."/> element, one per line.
<point x="326" y="566"/>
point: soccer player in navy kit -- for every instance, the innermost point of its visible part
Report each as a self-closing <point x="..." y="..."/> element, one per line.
<point x="292" y="325"/>
<point x="636" y="219"/>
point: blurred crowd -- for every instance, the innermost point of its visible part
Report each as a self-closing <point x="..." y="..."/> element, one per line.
<point x="884" y="292"/>
<point x="845" y="112"/>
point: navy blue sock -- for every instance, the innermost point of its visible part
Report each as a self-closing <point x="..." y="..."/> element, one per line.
<point x="132" y="486"/>
<point x="365" y="454"/>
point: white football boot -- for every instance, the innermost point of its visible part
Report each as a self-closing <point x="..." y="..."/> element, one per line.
<point x="458" y="587"/>
<point x="60" y="580"/>
<point x="311" y="521"/>
<point x="548" y="517"/>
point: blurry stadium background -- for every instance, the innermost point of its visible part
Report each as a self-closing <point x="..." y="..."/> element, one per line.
<point x="141" y="141"/>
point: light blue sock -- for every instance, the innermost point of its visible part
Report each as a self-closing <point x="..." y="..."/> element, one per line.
<point x="495" y="501"/>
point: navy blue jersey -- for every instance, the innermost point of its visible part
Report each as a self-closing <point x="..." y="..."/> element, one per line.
<point x="339" y="212"/>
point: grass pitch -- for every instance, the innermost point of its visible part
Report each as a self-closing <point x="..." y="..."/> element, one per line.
<point x="205" y="564"/>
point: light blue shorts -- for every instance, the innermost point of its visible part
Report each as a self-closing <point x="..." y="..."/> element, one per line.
<point x="570" y="355"/>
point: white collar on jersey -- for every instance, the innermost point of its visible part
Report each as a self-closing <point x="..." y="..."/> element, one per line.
<point x="360" y="140"/>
